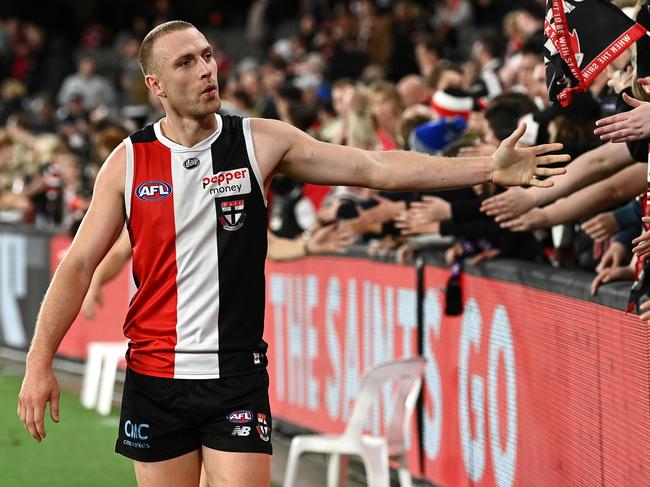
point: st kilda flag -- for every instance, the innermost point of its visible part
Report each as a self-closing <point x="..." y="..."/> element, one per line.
<point x="581" y="38"/>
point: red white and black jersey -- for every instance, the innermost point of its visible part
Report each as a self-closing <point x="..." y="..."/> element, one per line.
<point x="197" y="221"/>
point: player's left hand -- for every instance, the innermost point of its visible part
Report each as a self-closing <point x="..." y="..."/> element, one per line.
<point x="515" y="166"/>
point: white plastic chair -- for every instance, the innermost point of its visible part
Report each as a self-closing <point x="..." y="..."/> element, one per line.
<point x="99" y="376"/>
<point x="375" y="451"/>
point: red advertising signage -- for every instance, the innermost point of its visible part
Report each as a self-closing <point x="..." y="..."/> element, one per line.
<point x="328" y="320"/>
<point x="524" y="388"/>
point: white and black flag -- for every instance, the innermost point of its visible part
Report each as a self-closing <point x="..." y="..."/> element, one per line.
<point x="581" y="38"/>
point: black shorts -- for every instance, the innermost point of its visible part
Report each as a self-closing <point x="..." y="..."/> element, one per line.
<point x="166" y="418"/>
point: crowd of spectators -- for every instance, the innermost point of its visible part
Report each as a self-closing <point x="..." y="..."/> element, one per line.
<point x="444" y="77"/>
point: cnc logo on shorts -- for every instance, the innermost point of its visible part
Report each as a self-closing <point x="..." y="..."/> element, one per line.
<point x="232" y="215"/>
<point x="153" y="190"/>
<point x="243" y="416"/>
<point x="191" y="163"/>
<point x="262" y="427"/>
<point x="136" y="431"/>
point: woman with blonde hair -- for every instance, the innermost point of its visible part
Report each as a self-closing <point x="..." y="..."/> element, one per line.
<point x="360" y="129"/>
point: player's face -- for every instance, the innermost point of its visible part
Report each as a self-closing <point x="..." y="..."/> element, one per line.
<point x="187" y="72"/>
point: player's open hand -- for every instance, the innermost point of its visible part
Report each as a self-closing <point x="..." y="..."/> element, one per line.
<point x="516" y="166"/>
<point x="39" y="387"/>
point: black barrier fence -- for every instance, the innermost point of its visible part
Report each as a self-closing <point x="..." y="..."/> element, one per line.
<point x="25" y="262"/>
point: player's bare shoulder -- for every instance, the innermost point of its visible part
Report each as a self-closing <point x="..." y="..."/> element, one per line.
<point x="272" y="140"/>
<point x="112" y="174"/>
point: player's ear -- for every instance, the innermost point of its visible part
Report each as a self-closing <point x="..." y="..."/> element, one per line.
<point x="153" y="83"/>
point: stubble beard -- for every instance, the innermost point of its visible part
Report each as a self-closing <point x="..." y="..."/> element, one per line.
<point x="198" y="108"/>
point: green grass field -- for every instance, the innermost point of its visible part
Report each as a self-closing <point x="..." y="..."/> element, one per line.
<point x="77" y="452"/>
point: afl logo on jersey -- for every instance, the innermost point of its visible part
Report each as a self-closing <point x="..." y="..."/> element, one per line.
<point x="191" y="163"/>
<point x="153" y="190"/>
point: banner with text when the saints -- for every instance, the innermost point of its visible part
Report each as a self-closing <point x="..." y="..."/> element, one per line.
<point x="581" y="38"/>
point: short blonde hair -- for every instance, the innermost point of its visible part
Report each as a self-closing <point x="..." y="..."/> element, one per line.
<point x="146" y="48"/>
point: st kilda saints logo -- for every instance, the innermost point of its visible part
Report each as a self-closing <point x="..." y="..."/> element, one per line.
<point x="232" y="215"/>
<point x="262" y="427"/>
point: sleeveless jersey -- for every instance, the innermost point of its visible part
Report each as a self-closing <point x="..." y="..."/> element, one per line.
<point x="197" y="221"/>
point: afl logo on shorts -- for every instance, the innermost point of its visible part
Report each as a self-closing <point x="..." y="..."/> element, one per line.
<point x="191" y="163"/>
<point x="153" y="190"/>
<point x="243" y="416"/>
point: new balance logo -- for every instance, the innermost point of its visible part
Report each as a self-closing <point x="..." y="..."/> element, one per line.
<point x="241" y="431"/>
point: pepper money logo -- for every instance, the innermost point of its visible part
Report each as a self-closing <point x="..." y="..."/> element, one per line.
<point x="228" y="183"/>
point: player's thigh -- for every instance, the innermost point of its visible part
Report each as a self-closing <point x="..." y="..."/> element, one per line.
<point x="204" y="477"/>
<point x="237" y="469"/>
<point x="183" y="471"/>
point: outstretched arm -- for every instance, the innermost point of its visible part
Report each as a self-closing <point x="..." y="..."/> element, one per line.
<point x="283" y="148"/>
<point x="98" y="231"/>
<point x="621" y="187"/>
